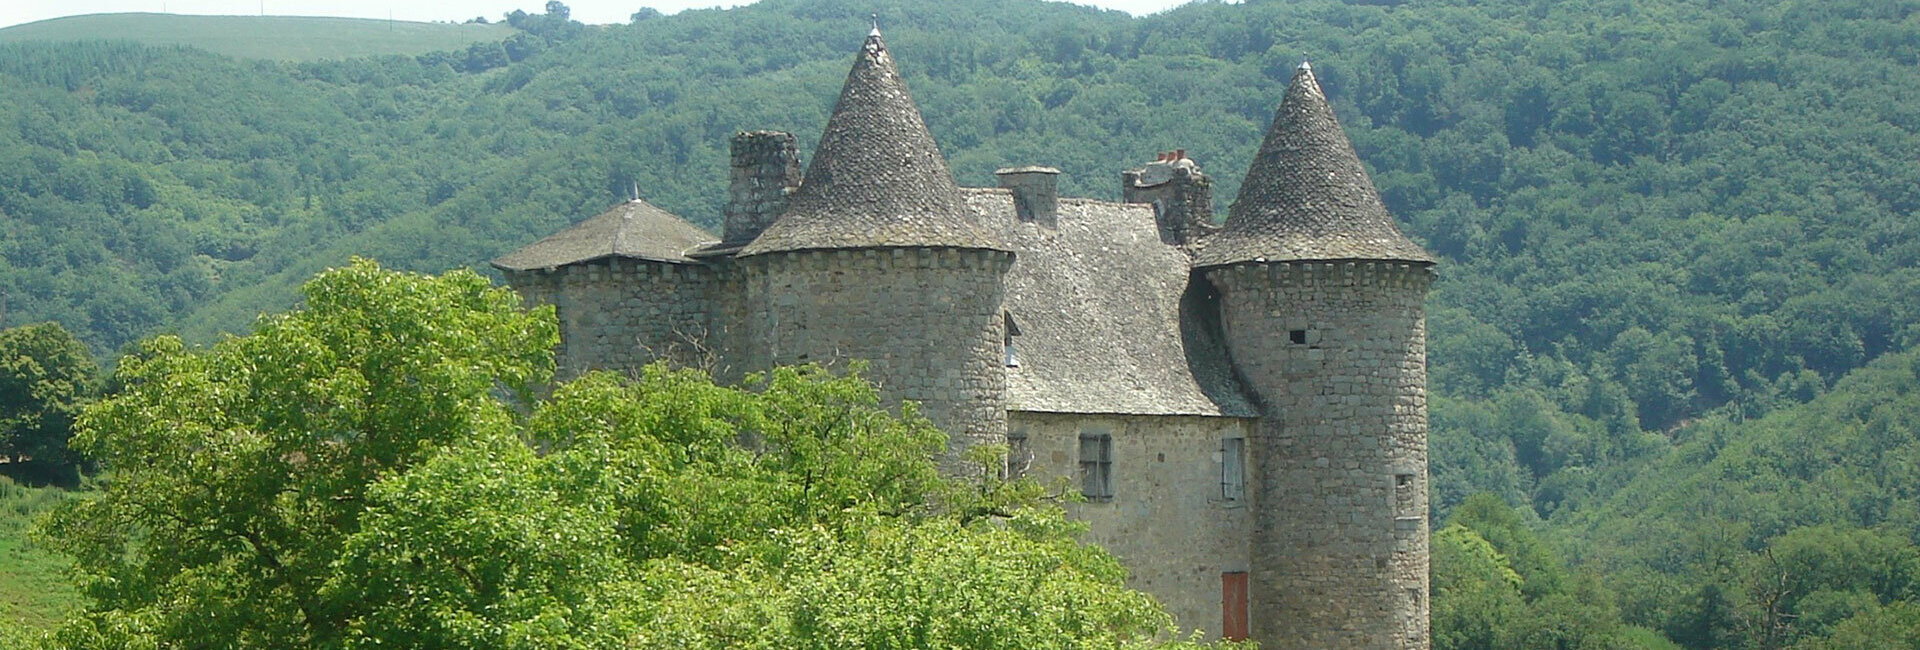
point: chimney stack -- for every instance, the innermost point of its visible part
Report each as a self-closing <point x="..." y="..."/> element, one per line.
<point x="1036" y="195"/>
<point x="765" y="170"/>
<point x="1182" y="196"/>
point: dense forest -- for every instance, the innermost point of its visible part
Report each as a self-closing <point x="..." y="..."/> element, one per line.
<point x="1674" y="334"/>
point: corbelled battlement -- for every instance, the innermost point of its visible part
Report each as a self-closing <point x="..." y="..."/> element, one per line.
<point x="1351" y="273"/>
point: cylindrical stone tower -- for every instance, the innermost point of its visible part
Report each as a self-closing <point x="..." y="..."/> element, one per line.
<point x="877" y="257"/>
<point x="1321" y="298"/>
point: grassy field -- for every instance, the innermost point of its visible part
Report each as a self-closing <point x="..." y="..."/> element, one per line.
<point x="284" y="38"/>
<point x="34" y="592"/>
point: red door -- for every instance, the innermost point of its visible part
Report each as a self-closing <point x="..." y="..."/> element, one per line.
<point x="1233" y="605"/>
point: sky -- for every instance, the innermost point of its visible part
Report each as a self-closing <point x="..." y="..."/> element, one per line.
<point x="14" y="12"/>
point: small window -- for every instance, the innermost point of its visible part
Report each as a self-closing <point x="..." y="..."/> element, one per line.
<point x="1013" y="330"/>
<point x="1096" y="465"/>
<point x="1233" y="469"/>
<point x="1298" y="337"/>
<point x="1403" y="481"/>
<point x="1019" y="455"/>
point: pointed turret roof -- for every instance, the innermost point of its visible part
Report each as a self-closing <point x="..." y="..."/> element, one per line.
<point x="877" y="179"/>
<point x="1306" y="196"/>
<point x="635" y="230"/>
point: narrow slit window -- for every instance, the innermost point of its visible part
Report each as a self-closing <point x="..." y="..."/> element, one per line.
<point x="1013" y="359"/>
<point x="1233" y="469"/>
<point x="1019" y="455"/>
<point x="1096" y="465"/>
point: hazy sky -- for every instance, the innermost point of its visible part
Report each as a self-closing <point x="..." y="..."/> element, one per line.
<point x="13" y="12"/>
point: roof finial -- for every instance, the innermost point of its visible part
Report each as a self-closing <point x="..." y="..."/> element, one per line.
<point x="635" y="191"/>
<point x="876" y="25"/>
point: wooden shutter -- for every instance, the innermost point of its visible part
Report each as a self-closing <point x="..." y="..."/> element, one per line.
<point x="1233" y="605"/>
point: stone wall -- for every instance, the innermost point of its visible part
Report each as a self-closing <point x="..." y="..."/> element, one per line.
<point x="730" y="326"/>
<point x="1336" y="353"/>
<point x="764" y="168"/>
<point x="1168" y="520"/>
<point x="620" y="314"/>
<point x="1181" y="196"/>
<point x="927" y="320"/>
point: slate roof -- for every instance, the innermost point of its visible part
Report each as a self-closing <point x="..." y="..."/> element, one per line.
<point x="1098" y="304"/>
<point x="877" y="179"/>
<point x="635" y="229"/>
<point x="1306" y="196"/>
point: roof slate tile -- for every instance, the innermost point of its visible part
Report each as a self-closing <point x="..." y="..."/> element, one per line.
<point x="1306" y="196"/>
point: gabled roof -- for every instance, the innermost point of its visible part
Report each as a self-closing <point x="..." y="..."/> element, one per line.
<point x="1104" y="321"/>
<point x="877" y="179"/>
<point x="1307" y="197"/>
<point x="635" y="229"/>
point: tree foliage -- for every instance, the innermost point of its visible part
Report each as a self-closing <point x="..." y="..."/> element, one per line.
<point x="1679" y="279"/>
<point x="353" y="474"/>
<point x="46" y="376"/>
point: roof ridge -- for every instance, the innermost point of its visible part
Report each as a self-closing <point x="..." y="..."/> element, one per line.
<point x="877" y="178"/>
<point x="1306" y="195"/>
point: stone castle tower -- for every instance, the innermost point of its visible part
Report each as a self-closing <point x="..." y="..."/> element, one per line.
<point x="1243" y="406"/>
<point x="1321" y="298"/>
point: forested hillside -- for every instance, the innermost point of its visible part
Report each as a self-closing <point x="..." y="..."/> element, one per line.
<point x="1670" y="228"/>
<point x="280" y="38"/>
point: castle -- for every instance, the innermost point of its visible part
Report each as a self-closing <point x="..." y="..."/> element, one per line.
<point x="1244" y="406"/>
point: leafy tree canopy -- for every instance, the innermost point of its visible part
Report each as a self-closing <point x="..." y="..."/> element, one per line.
<point x="352" y="474"/>
<point x="46" y="376"/>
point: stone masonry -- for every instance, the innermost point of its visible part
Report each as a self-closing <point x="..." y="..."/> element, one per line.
<point x="1244" y="404"/>
<point x="831" y="306"/>
<point x="1337" y="351"/>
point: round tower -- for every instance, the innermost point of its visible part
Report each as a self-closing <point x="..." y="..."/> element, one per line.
<point x="878" y="257"/>
<point x="1321" y="297"/>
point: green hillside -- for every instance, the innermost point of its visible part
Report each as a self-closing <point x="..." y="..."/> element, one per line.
<point x="281" y="38"/>
<point x="1680" y="238"/>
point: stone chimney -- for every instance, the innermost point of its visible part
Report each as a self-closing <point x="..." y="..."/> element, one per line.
<point x="766" y="168"/>
<point x="1181" y="195"/>
<point x="1036" y="197"/>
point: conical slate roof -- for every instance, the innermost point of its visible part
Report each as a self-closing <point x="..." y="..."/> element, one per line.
<point x="877" y="179"/>
<point x="1306" y="196"/>
<point x="635" y="229"/>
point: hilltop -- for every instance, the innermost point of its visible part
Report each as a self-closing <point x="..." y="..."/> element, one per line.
<point x="279" y="38"/>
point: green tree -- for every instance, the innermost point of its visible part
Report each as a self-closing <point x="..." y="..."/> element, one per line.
<point x="1895" y="627"/>
<point x="353" y="474"/>
<point x="1476" y="593"/>
<point x="46" y="376"/>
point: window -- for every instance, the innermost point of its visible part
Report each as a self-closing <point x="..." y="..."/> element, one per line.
<point x="1096" y="465"/>
<point x="1013" y="359"/>
<point x="1298" y="337"/>
<point x="1019" y="455"/>
<point x="1233" y="469"/>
